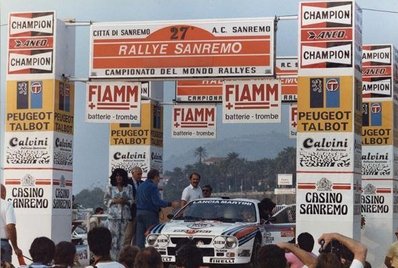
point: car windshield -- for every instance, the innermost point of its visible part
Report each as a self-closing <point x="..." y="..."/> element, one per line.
<point x="225" y="210"/>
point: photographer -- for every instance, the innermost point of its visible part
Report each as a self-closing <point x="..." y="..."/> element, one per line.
<point x="307" y="259"/>
<point x="344" y="246"/>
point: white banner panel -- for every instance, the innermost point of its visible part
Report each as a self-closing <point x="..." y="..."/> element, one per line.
<point x="30" y="191"/>
<point x="28" y="149"/>
<point x="31" y="43"/>
<point x="63" y="151"/>
<point x="318" y="14"/>
<point x="113" y="102"/>
<point x="377" y="162"/>
<point x="143" y="156"/>
<point x="285" y="179"/>
<point x="156" y="158"/>
<point x="377" y="71"/>
<point x="192" y="48"/>
<point x="377" y="198"/>
<point x="327" y="195"/>
<point x="325" y="152"/>
<point x="329" y="35"/>
<point x="252" y="101"/>
<point x="62" y="192"/>
<point x="194" y="121"/>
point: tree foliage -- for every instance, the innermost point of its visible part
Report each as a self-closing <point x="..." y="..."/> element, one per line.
<point x="91" y="198"/>
<point x="233" y="174"/>
<point x="200" y="153"/>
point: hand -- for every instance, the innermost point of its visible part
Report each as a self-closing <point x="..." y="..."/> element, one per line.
<point x="18" y="252"/>
<point x="285" y="245"/>
<point x="326" y="238"/>
<point x="175" y="204"/>
<point x="118" y="200"/>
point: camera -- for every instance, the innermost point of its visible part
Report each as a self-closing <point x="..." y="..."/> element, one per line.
<point x="337" y="248"/>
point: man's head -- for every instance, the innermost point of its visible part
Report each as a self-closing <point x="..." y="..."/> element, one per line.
<point x="42" y="250"/>
<point x="189" y="256"/>
<point x="99" y="210"/>
<point x="306" y="241"/>
<point x="194" y="178"/>
<point x="148" y="258"/>
<point x="154" y="175"/>
<point x="266" y="207"/>
<point x="3" y="192"/>
<point x="65" y="253"/>
<point x="99" y="241"/>
<point x="207" y="190"/>
<point x="127" y="255"/>
<point x="328" y="260"/>
<point x="271" y="256"/>
<point x="136" y="173"/>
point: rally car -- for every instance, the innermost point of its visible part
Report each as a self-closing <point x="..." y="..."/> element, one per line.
<point x="229" y="231"/>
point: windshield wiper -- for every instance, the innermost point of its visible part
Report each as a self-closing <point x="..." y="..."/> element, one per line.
<point x="224" y="219"/>
<point x="192" y="218"/>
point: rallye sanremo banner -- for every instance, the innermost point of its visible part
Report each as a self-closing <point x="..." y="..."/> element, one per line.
<point x="170" y="49"/>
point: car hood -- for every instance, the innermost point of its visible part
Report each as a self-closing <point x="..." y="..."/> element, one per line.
<point x="202" y="227"/>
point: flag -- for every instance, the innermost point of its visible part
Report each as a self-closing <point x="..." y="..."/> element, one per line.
<point x="365" y="114"/>
<point x="22" y="95"/>
<point x="375" y="114"/>
<point x="332" y="93"/>
<point x="36" y="94"/>
<point x="316" y="94"/>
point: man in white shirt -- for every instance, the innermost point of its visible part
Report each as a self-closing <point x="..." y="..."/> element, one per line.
<point x="8" y="232"/>
<point x="192" y="191"/>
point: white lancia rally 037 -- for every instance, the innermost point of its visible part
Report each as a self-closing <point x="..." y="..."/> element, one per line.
<point x="228" y="231"/>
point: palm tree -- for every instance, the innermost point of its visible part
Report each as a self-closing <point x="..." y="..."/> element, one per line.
<point x="201" y="153"/>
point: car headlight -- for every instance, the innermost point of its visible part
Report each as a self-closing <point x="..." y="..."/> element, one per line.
<point x="231" y="242"/>
<point x="151" y="239"/>
<point x="219" y="242"/>
<point x="162" y="240"/>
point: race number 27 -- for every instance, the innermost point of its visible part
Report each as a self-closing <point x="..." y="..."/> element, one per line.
<point x="178" y="33"/>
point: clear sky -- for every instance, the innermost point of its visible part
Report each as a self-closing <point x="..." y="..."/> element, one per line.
<point x="91" y="140"/>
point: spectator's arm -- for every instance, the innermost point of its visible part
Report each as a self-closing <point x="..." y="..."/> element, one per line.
<point x="303" y="255"/>
<point x="388" y="258"/>
<point x="155" y="196"/>
<point x="387" y="262"/>
<point x="359" y="250"/>
<point x="12" y="235"/>
<point x="184" y="197"/>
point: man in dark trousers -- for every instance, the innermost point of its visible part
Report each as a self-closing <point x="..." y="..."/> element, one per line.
<point x="8" y="232"/>
<point x="136" y="180"/>
<point x="148" y="205"/>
